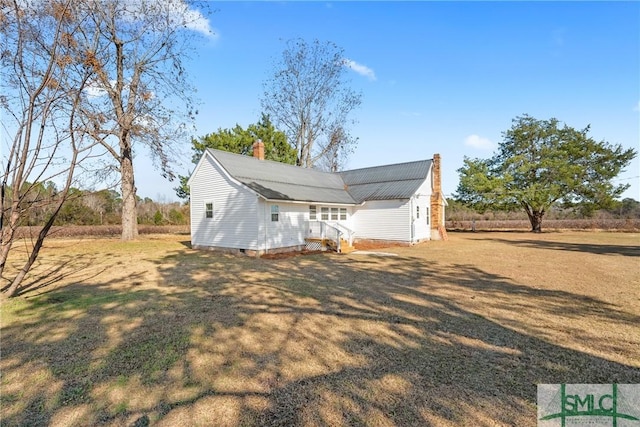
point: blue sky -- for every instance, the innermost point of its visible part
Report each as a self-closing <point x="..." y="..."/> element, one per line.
<point x="435" y="77"/>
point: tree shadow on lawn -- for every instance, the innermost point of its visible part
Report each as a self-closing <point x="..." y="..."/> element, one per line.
<point x="603" y="249"/>
<point x="320" y="340"/>
<point x="54" y="273"/>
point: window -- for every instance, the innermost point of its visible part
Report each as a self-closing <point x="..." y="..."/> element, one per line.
<point x="427" y="214"/>
<point x="324" y="214"/>
<point x="417" y="212"/>
<point x="275" y="213"/>
<point x="312" y="213"/>
<point x="334" y="214"/>
<point x="208" y="210"/>
<point x="343" y="214"/>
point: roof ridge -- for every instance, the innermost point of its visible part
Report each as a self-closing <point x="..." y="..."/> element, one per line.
<point x="385" y="166"/>
<point x="386" y="180"/>
<point x="244" y="156"/>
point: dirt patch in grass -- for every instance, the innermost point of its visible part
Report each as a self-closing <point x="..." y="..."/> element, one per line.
<point x="445" y="333"/>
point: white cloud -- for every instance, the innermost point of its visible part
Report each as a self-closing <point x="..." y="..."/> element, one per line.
<point x="178" y="12"/>
<point x="363" y="70"/>
<point x="182" y="13"/>
<point x="94" y="91"/>
<point x="196" y="21"/>
<point x="478" y="142"/>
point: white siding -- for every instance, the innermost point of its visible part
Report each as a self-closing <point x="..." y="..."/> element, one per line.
<point x="289" y="230"/>
<point x="383" y="220"/>
<point x="235" y="215"/>
<point x="422" y="198"/>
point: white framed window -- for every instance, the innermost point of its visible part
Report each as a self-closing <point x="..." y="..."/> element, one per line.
<point x="427" y="215"/>
<point x="324" y="214"/>
<point x="334" y="214"/>
<point x="208" y="210"/>
<point x="313" y="214"/>
<point x="343" y="214"/>
<point x="417" y="212"/>
<point x="275" y="213"/>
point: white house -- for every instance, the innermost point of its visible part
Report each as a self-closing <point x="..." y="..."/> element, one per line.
<point x="256" y="206"/>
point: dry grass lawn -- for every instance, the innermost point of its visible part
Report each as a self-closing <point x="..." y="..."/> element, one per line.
<point x="444" y="333"/>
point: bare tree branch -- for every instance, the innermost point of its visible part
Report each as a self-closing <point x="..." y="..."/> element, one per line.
<point x="309" y="97"/>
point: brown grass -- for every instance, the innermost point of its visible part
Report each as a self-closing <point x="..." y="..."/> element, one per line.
<point x="444" y="333"/>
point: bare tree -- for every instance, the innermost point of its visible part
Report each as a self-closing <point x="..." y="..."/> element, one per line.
<point x="139" y="94"/>
<point x="309" y="97"/>
<point x="336" y="151"/>
<point x="42" y="84"/>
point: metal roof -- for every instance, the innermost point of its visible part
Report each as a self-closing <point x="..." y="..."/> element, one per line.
<point x="279" y="181"/>
<point x="397" y="181"/>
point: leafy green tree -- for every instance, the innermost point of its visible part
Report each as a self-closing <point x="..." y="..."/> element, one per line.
<point x="240" y="141"/>
<point x="176" y="217"/>
<point x="75" y="211"/>
<point x="158" y="219"/>
<point x="540" y="163"/>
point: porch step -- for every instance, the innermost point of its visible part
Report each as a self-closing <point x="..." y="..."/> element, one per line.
<point x="345" y="248"/>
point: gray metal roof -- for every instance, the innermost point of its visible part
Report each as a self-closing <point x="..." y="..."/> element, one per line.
<point x="397" y="181"/>
<point x="279" y="181"/>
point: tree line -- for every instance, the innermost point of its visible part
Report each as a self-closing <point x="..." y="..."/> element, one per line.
<point x="627" y="208"/>
<point x="102" y="207"/>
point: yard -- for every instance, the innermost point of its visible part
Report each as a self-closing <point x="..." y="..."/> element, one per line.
<point x="443" y="333"/>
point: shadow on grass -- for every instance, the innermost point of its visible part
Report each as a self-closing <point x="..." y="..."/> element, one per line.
<point x="41" y="280"/>
<point x="598" y="249"/>
<point x="319" y="340"/>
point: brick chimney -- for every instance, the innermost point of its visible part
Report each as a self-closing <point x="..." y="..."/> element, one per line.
<point x="436" y="194"/>
<point x="258" y="149"/>
<point x="437" y="177"/>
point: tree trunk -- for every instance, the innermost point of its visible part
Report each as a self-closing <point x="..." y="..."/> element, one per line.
<point x="129" y="209"/>
<point x="4" y="253"/>
<point x="535" y="218"/>
<point x="8" y="234"/>
<point x="15" y="285"/>
<point x="17" y="281"/>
